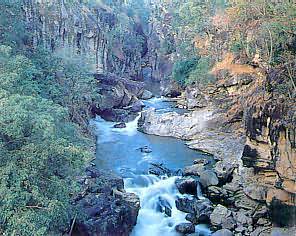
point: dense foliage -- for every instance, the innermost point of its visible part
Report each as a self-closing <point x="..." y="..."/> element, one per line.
<point x="44" y="103"/>
<point x="260" y="33"/>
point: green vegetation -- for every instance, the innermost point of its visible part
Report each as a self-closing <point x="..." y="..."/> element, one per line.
<point x="254" y="32"/>
<point x="182" y="70"/>
<point x="44" y="102"/>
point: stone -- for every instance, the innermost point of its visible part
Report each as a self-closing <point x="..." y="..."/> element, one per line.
<point x="242" y="218"/>
<point x="146" y="95"/>
<point x="219" y="215"/>
<point x="137" y="105"/>
<point x="194" y="98"/>
<point x="195" y="170"/>
<point x="259" y="230"/>
<point x="145" y="149"/>
<point x="187" y="185"/>
<point x="218" y="194"/>
<point x="187" y="205"/>
<point x="120" y="125"/>
<point x="228" y="223"/>
<point x="193" y="205"/>
<point x="160" y="170"/>
<point x="208" y="178"/>
<point x="185" y="228"/>
<point x="192" y="218"/>
<point x="164" y="206"/>
<point x="224" y="171"/>
<point x="201" y="161"/>
<point x="106" y="207"/>
<point x="263" y="221"/>
<point x="256" y="191"/>
<point x="170" y="88"/>
<point x="240" y="229"/>
<point x="223" y="232"/>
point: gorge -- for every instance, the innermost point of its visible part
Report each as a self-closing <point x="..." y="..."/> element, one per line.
<point x="147" y="117"/>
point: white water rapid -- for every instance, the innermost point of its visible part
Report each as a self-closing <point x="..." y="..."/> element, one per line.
<point x="118" y="149"/>
<point x="156" y="193"/>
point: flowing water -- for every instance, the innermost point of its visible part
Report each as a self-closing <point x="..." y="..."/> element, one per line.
<point x="118" y="150"/>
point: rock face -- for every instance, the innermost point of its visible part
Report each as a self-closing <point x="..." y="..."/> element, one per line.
<point x="107" y="208"/>
<point x="118" y="98"/>
<point x="170" y="88"/>
<point x="270" y="150"/>
<point x="82" y="28"/>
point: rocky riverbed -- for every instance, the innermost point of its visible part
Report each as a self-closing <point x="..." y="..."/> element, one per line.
<point x="242" y="185"/>
<point x="226" y="194"/>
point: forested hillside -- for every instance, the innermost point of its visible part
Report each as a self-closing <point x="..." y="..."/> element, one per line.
<point x="49" y="51"/>
<point x="227" y="66"/>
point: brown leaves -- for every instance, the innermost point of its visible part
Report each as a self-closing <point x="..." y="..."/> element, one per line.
<point x="235" y="69"/>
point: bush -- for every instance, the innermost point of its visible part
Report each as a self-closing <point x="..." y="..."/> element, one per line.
<point x="201" y="73"/>
<point x="182" y="69"/>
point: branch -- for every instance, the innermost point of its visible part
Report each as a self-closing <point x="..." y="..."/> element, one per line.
<point x="37" y="207"/>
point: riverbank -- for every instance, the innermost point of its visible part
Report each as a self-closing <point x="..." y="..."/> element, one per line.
<point x="247" y="190"/>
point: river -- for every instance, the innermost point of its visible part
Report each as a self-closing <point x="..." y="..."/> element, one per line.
<point x="119" y="150"/>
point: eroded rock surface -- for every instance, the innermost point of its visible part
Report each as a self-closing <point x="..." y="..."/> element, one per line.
<point x="105" y="206"/>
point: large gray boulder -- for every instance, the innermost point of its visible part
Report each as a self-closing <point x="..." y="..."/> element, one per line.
<point x="187" y="185"/>
<point x="208" y="178"/>
<point x="220" y="215"/>
<point x="106" y="207"/>
<point x="194" y="170"/>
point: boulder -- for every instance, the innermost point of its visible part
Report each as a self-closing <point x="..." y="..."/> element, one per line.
<point x="220" y="215"/>
<point x="137" y="105"/>
<point x="192" y="218"/>
<point x="145" y="149"/>
<point x="146" y="95"/>
<point x="160" y="170"/>
<point x="164" y="206"/>
<point x="218" y="195"/>
<point x="194" y="205"/>
<point x="117" y="115"/>
<point x="195" y="170"/>
<point x="187" y="185"/>
<point x="187" y="205"/>
<point x="170" y="88"/>
<point x="194" y="98"/>
<point x="256" y="192"/>
<point x="106" y="207"/>
<point x="117" y="98"/>
<point x="223" y="232"/>
<point x="208" y="178"/>
<point x="185" y="228"/>
<point x="201" y="161"/>
<point x="120" y="125"/>
<point x="242" y="218"/>
<point x="223" y="171"/>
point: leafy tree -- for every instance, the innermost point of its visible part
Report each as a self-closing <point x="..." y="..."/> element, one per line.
<point x="182" y="69"/>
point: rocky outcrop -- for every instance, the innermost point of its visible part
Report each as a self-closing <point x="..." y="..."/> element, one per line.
<point x="118" y="98"/>
<point x="105" y="207"/>
<point x="170" y="88"/>
<point x="173" y="124"/>
<point x="79" y="27"/>
<point x="251" y="132"/>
